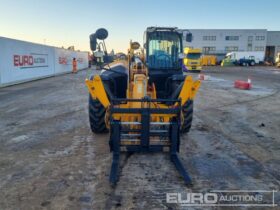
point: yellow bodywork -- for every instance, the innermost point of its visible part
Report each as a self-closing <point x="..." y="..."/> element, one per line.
<point x="97" y="90"/>
<point x="137" y="89"/>
<point x="208" y="60"/>
<point x="277" y="60"/>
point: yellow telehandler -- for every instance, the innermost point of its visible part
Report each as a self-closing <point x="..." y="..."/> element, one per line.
<point x="146" y="101"/>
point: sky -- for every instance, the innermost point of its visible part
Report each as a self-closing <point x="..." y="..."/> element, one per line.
<point x="70" y="22"/>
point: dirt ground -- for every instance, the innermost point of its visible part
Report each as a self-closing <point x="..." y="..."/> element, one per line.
<point x="49" y="159"/>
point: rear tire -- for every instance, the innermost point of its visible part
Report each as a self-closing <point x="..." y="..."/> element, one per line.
<point x="188" y="115"/>
<point x="96" y="113"/>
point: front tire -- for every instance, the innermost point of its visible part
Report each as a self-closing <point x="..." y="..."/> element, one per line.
<point x="187" y="110"/>
<point x="96" y="116"/>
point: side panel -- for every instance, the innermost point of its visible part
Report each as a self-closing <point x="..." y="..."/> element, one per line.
<point x="259" y="56"/>
<point x="63" y="60"/>
<point x="22" y="61"/>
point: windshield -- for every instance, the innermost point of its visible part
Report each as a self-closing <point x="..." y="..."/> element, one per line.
<point x="193" y="56"/>
<point x="163" y="50"/>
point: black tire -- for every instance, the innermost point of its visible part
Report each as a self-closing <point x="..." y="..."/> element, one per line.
<point x="252" y="63"/>
<point x="96" y="113"/>
<point x="188" y="116"/>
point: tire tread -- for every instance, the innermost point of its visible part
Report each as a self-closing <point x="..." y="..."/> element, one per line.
<point x="96" y="116"/>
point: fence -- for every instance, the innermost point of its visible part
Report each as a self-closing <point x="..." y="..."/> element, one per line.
<point x="22" y="61"/>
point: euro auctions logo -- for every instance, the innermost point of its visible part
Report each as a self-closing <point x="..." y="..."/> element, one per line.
<point x="192" y="198"/>
<point x="63" y="60"/>
<point x="33" y="60"/>
<point x="67" y="60"/>
<point x="23" y="60"/>
<point x="80" y="60"/>
<point x="224" y="198"/>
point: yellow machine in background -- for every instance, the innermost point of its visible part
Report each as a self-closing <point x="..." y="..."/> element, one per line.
<point x="208" y="60"/>
<point x="277" y="60"/>
<point x="192" y="59"/>
<point x="144" y="104"/>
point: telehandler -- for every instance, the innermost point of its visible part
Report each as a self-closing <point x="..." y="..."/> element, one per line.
<point x="146" y="101"/>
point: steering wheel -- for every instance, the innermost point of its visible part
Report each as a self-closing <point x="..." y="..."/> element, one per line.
<point x="164" y="55"/>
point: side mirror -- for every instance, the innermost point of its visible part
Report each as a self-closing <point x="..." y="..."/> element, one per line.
<point x="135" y="45"/>
<point x="101" y="33"/>
<point x="93" y="42"/>
<point x="189" y="37"/>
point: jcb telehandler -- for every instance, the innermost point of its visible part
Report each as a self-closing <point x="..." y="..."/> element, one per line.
<point x="144" y="103"/>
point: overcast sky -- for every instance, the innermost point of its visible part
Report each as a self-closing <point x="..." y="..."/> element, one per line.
<point x="68" y="22"/>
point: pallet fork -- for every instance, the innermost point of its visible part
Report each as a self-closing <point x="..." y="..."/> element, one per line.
<point x="169" y="130"/>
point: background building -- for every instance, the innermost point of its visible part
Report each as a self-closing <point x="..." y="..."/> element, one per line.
<point x="272" y="45"/>
<point x="220" y="41"/>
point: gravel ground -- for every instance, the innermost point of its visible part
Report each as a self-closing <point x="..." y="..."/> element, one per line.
<point x="49" y="159"/>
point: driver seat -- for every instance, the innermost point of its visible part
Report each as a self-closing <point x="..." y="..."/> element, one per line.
<point x="159" y="61"/>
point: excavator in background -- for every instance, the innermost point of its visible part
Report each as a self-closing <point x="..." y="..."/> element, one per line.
<point x="145" y="102"/>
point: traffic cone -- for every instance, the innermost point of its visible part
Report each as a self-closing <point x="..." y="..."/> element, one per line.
<point x="201" y="77"/>
<point x="244" y="85"/>
<point x="249" y="82"/>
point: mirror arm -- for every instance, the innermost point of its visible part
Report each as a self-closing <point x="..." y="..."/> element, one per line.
<point x="104" y="47"/>
<point x="102" y="44"/>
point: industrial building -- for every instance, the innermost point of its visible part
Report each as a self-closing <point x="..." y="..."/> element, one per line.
<point x="220" y="41"/>
<point x="272" y="44"/>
